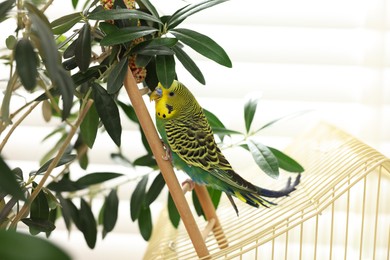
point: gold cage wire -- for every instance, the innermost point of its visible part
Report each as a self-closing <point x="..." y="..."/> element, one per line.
<point x="340" y="210"/>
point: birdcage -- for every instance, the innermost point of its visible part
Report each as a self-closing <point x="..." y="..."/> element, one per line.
<point x="340" y="210"/>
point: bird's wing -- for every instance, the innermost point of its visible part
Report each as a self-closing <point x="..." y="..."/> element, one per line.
<point x="193" y="141"/>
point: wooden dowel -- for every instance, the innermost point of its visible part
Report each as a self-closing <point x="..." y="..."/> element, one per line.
<point x="165" y="166"/>
<point x="210" y="225"/>
<point x="209" y="211"/>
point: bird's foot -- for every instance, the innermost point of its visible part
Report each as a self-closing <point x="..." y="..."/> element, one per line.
<point x="188" y="185"/>
<point x="144" y="91"/>
<point x="168" y="153"/>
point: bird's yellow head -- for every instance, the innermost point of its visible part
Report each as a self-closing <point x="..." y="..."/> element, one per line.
<point x="173" y="101"/>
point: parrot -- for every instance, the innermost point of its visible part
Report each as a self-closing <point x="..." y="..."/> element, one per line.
<point x="188" y="137"/>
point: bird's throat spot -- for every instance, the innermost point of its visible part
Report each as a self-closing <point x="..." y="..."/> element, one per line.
<point x="170" y="108"/>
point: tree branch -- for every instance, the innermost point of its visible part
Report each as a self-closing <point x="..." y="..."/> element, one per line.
<point x="52" y="165"/>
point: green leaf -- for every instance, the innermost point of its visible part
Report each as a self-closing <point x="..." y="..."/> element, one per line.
<point x="39" y="206"/>
<point x="137" y="198"/>
<point x="152" y="43"/>
<point x="145" y="223"/>
<point x="74" y="3"/>
<point x="100" y="218"/>
<point x="52" y="219"/>
<point x="180" y="15"/>
<point x="145" y="142"/>
<point x="264" y="158"/>
<point x="189" y="64"/>
<point x="96" y="178"/>
<point x="16" y="245"/>
<point x="89" y="126"/>
<point x="70" y="50"/>
<point x="5" y="7"/>
<point x="107" y="27"/>
<point x="88" y="224"/>
<point x="126" y="34"/>
<point x="69" y="64"/>
<point x="83" y="160"/>
<point x="51" y="199"/>
<point x="83" y="48"/>
<point x="108" y="112"/>
<point x="203" y="45"/>
<point x="8" y="182"/>
<point x="217" y="126"/>
<point x="66" y="158"/>
<point x="146" y="160"/>
<point x="155" y="189"/>
<point x="6" y="209"/>
<point x="156" y="50"/>
<point x="26" y="63"/>
<point x="224" y="131"/>
<point x="281" y="118"/>
<point x="64" y="82"/>
<point x="117" y="75"/>
<point x="197" y="206"/>
<point x="69" y="211"/>
<point x="18" y="174"/>
<point x="110" y="214"/>
<point x="10" y="42"/>
<point x="165" y="68"/>
<point x="92" y="73"/>
<point x="150" y="8"/>
<point x="142" y="60"/>
<point x="129" y="111"/>
<point x="119" y="158"/>
<point x="43" y="38"/>
<point x="286" y="162"/>
<point x="119" y="14"/>
<point x="65" y="184"/>
<point x="174" y="215"/>
<point x="213" y="119"/>
<point x="35" y="11"/>
<point x="65" y="23"/>
<point x="151" y="80"/>
<point x="249" y="112"/>
<point x="37" y="225"/>
<point x="215" y="196"/>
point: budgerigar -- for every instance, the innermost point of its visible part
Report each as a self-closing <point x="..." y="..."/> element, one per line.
<point x="185" y="130"/>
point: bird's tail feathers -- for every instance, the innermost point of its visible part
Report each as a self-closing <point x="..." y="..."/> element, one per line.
<point x="253" y="199"/>
<point x="290" y="187"/>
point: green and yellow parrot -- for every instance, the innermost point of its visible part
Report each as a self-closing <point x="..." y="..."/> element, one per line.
<point x="185" y="130"/>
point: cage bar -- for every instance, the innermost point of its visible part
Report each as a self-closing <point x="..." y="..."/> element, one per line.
<point x="340" y="209"/>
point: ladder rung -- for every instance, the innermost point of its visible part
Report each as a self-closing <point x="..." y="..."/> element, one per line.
<point x="209" y="227"/>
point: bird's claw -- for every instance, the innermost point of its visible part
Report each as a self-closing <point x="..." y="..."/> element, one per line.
<point x="190" y="183"/>
<point x="166" y="157"/>
<point x="168" y="153"/>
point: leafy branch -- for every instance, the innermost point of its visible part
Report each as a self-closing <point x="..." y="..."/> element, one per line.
<point x="75" y="66"/>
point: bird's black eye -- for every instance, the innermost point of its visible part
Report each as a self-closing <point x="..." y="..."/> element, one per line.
<point x="171" y="93"/>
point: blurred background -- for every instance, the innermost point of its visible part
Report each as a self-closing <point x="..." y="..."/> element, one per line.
<point x="330" y="58"/>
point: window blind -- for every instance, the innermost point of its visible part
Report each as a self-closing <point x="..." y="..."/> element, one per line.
<point x="331" y="58"/>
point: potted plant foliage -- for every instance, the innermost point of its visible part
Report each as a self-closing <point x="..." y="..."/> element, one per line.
<point x="75" y="67"/>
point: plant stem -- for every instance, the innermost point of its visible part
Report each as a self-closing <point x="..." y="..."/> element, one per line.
<point x="48" y="3"/>
<point x="53" y="164"/>
<point x="16" y="124"/>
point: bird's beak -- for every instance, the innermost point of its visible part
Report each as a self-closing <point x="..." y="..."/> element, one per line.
<point x="156" y="94"/>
